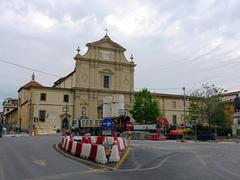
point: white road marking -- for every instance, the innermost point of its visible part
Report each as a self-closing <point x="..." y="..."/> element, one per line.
<point x="147" y="169"/>
<point x="41" y="163"/>
<point x="201" y="160"/>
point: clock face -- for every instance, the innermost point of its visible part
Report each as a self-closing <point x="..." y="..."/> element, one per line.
<point x="107" y="55"/>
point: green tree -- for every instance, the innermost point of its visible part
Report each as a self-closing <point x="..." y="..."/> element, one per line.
<point x="206" y="106"/>
<point x="145" y="108"/>
<point x="193" y="112"/>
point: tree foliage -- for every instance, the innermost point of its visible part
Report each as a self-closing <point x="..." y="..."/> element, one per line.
<point x="146" y="108"/>
<point x="206" y="106"/>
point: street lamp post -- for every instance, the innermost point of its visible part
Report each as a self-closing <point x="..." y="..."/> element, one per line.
<point x="66" y="110"/>
<point x="184" y="103"/>
<point x="65" y="123"/>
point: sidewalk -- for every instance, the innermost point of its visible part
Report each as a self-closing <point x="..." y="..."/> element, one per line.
<point x="14" y="134"/>
<point x="219" y="140"/>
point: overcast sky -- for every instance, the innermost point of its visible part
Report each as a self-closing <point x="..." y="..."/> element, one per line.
<point x="174" y="43"/>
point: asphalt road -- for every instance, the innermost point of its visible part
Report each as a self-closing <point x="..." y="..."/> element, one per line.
<point x="34" y="158"/>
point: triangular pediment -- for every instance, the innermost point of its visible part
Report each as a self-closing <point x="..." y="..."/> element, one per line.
<point x="107" y="43"/>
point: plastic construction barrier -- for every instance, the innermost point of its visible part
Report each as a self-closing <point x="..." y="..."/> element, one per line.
<point x="108" y="140"/>
<point x="64" y="142"/>
<point x="154" y="137"/>
<point x="77" y="138"/>
<point x="114" y="135"/>
<point x="100" y="139"/>
<point x="85" y="150"/>
<point x="33" y="133"/>
<point x="78" y="149"/>
<point x="70" y="146"/>
<point x="101" y="155"/>
<point x="114" y="157"/>
<point x="121" y="143"/>
<point x="86" y="140"/>
<point x="93" y="139"/>
<point x="67" y="144"/>
<point x="118" y="146"/>
<point x="74" y="147"/>
<point x="63" y="137"/>
<point x="93" y="151"/>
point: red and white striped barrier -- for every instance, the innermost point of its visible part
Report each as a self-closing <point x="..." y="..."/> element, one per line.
<point x="93" y="139"/>
<point x="77" y="138"/>
<point x="86" y="140"/>
<point x="78" y="149"/>
<point x="118" y="145"/>
<point x="108" y="140"/>
<point x="33" y="133"/>
<point x="100" y="139"/>
<point x="69" y="148"/>
<point x="85" y="150"/>
<point x="101" y="155"/>
<point x="93" y="151"/>
<point x="96" y="151"/>
<point x="74" y="147"/>
<point x="64" y="141"/>
<point x="67" y="144"/>
<point x="121" y="143"/>
<point x="114" y="157"/>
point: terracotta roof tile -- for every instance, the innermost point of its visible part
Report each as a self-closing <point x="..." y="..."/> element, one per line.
<point x="32" y="83"/>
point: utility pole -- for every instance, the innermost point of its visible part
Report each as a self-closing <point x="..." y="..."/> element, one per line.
<point x="195" y="132"/>
<point x="184" y="103"/>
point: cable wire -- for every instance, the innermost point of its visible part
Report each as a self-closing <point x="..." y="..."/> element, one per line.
<point x="28" y="68"/>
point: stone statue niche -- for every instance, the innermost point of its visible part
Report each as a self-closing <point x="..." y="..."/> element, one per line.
<point x="237" y="103"/>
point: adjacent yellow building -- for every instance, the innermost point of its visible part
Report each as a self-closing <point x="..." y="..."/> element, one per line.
<point x="43" y="108"/>
<point x="172" y="107"/>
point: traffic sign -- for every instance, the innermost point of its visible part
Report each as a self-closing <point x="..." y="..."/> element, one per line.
<point x="107" y="123"/>
<point x="107" y="132"/>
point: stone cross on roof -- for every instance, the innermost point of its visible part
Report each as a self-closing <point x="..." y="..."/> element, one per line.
<point x="33" y="76"/>
<point x="106" y="30"/>
<point x="78" y="49"/>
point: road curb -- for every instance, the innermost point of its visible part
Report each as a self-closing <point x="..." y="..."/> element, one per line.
<point x="125" y="155"/>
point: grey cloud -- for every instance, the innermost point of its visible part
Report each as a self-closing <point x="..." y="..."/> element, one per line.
<point x="159" y="51"/>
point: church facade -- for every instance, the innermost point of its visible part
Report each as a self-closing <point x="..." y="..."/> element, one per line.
<point x="102" y="71"/>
